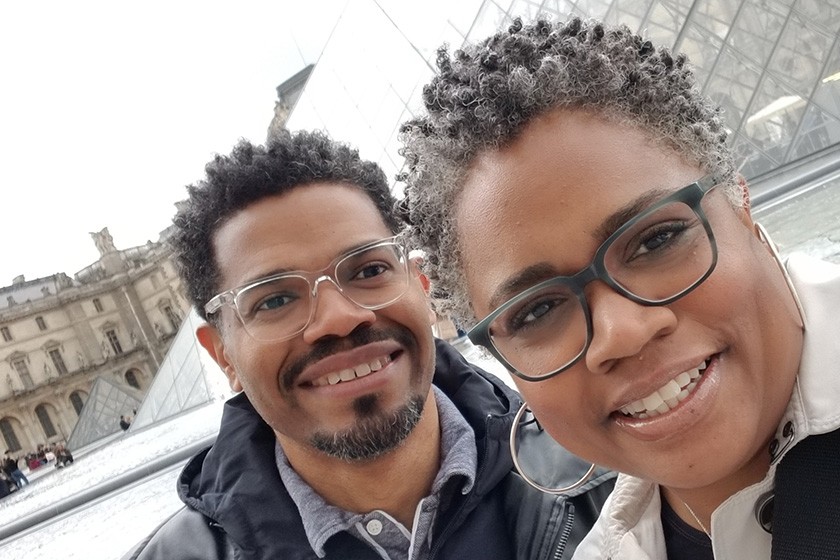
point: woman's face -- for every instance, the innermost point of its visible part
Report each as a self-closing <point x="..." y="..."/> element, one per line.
<point x="544" y="204"/>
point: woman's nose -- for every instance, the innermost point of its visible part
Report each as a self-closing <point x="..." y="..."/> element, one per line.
<point x="621" y="328"/>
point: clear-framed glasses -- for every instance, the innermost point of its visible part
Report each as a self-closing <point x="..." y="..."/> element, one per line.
<point x="281" y="306"/>
<point x="655" y="258"/>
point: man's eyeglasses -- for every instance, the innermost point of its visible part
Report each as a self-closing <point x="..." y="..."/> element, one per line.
<point x="655" y="258"/>
<point x="279" y="307"/>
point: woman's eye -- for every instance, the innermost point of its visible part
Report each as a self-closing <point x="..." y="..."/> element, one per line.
<point x="531" y="314"/>
<point x="658" y="238"/>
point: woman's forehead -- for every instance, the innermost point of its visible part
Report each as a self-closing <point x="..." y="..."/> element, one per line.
<point x="552" y="192"/>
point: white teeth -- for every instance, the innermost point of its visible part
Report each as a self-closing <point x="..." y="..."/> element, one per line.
<point x="349" y="374"/>
<point x="653" y="401"/>
<point x="666" y="397"/>
<point x="670" y="390"/>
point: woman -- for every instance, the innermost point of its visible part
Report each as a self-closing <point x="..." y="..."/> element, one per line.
<point x="582" y="213"/>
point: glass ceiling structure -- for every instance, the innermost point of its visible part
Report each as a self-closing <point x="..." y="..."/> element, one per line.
<point x="772" y="65"/>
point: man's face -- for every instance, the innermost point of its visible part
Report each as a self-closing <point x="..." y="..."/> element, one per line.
<point x="365" y="414"/>
<point x="544" y="204"/>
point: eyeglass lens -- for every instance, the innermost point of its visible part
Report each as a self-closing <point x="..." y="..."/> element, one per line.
<point x="282" y="306"/>
<point x="662" y="255"/>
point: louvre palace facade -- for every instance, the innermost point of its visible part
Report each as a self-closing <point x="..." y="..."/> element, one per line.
<point x="114" y="319"/>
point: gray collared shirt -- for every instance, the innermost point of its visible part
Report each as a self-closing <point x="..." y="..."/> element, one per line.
<point x="384" y="534"/>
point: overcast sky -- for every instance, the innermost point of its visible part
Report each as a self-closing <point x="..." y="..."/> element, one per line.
<point x="108" y="109"/>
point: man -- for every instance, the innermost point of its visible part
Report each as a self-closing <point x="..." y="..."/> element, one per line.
<point x="340" y="445"/>
<point x="10" y="466"/>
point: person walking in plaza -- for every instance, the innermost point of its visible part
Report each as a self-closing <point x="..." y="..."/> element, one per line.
<point x="356" y="434"/>
<point x="582" y="214"/>
<point x="10" y="466"/>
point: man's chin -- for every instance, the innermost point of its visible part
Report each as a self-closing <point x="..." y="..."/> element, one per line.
<point x="375" y="433"/>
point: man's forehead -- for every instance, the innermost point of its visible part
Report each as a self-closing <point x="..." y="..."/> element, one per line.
<point x="304" y="229"/>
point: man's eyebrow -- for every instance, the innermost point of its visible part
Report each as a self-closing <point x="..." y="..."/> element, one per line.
<point x="523" y="280"/>
<point x="627" y="212"/>
<point x="276" y="271"/>
<point x="263" y="275"/>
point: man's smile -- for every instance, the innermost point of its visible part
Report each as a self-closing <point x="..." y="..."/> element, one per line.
<point x="349" y="374"/>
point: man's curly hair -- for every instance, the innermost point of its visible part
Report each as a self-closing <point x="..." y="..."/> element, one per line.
<point x="485" y="94"/>
<point x="251" y="173"/>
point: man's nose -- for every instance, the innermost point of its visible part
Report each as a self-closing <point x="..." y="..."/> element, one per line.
<point x="333" y="313"/>
<point x="621" y="327"/>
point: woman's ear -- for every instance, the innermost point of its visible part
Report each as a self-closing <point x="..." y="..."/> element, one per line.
<point x="746" y="209"/>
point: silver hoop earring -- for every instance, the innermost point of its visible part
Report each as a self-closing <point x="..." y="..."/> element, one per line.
<point x="764" y="237"/>
<point x="513" y="453"/>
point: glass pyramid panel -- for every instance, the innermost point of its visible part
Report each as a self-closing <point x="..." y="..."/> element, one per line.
<point x="100" y="416"/>
<point x="187" y="378"/>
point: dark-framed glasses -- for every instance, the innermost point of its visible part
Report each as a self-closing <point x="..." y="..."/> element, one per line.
<point x="655" y="258"/>
<point x="281" y="306"/>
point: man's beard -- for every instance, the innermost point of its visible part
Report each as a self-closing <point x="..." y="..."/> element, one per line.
<point x="374" y="434"/>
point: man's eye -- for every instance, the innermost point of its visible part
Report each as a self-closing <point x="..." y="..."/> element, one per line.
<point x="274" y="301"/>
<point x="371" y="271"/>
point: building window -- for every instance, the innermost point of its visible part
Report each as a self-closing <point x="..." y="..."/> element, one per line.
<point x="114" y="342"/>
<point x="173" y="317"/>
<point x="58" y="361"/>
<point x="7" y="335"/>
<point x="77" y="401"/>
<point x="42" y="325"/>
<point x="8" y="431"/>
<point x="131" y="379"/>
<point x="23" y="372"/>
<point x="97" y="304"/>
<point x="46" y="422"/>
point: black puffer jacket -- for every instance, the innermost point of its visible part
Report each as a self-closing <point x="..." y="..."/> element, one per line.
<point x="237" y="506"/>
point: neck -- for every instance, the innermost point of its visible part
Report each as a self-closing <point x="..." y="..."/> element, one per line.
<point x="383" y="483"/>
<point x="696" y="505"/>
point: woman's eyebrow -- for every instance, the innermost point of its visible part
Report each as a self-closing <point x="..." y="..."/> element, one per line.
<point x="627" y="212"/>
<point x="521" y="281"/>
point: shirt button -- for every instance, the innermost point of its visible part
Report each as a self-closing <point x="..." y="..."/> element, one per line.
<point x="374" y="527"/>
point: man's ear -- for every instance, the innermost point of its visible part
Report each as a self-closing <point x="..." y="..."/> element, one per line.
<point x="427" y="289"/>
<point x="210" y="338"/>
<point x="424" y="281"/>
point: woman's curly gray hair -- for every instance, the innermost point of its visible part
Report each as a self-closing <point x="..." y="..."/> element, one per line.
<point x="485" y="94"/>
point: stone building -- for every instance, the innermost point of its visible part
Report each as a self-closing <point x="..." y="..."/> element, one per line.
<point x="115" y="319"/>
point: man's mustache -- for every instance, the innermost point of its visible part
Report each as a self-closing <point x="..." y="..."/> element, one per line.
<point x="325" y="347"/>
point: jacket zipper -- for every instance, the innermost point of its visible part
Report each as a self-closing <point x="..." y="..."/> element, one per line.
<point x="564" y="534"/>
